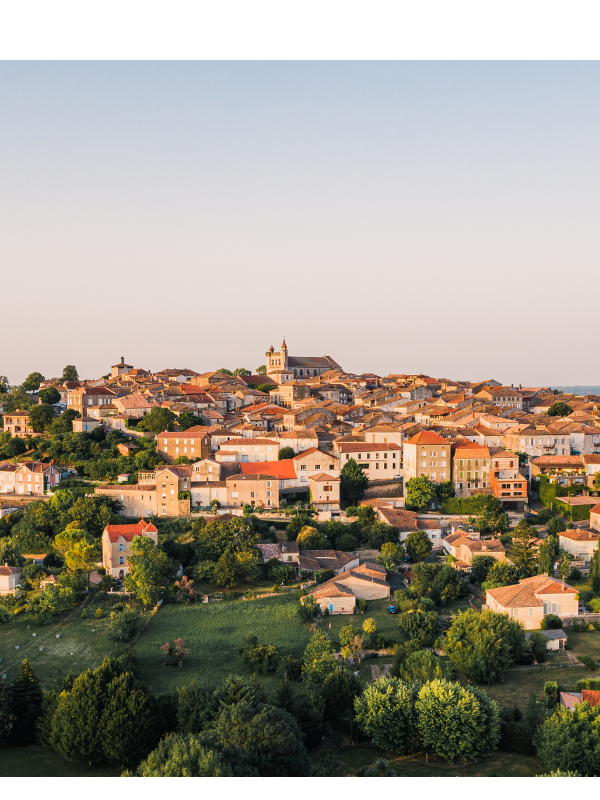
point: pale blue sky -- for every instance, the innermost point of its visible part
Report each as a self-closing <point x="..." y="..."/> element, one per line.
<point x="398" y="216"/>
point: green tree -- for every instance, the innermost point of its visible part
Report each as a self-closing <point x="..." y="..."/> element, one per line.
<point x="286" y="452"/>
<point x="149" y="570"/>
<point x="311" y="539"/>
<point x="501" y="574"/>
<point x="129" y="721"/>
<point x="546" y="556"/>
<point x="70" y="373"/>
<point x="386" y="713"/>
<point x="158" y="420"/>
<point x="269" y="738"/>
<point x="182" y="756"/>
<point x="7" y="719"/>
<point x="262" y="370"/>
<point x="493" y="521"/>
<point x="444" y="491"/>
<point x="265" y="387"/>
<point x="420" y="627"/>
<point x="32" y="382"/>
<point x="419" y="492"/>
<point x="595" y="571"/>
<point x="309" y="609"/>
<point x="241" y="371"/>
<point x="41" y="417"/>
<point x="480" y="566"/>
<point x="14" y="447"/>
<point x="78" y="549"/>
<point x="4" y="385"/>
<point x="456" y="722"/>
<point x="418" y="545"/>
<point x="187" y="420"/>
<point x="353" y="481"/>
<point x="26" y="702"/>
<point x="318" y="660"/>
<point x="423" y="666"/>
<point x="482" y="645"/>
<point x="125" y="625"/>
<point x="556" y="525"/>
<point x="339" y="690"/>
<point x="50" y="396"/>
<point x="597" y="481"/>
<point x="522" y="551"/>
<point x="538" y="643"/>
<point x="570" y="740"/>
<point x="564" y="565"/>
<point x="559" y="409"/>
<point x="390" y="555"/>
<point x="225" y="371"/>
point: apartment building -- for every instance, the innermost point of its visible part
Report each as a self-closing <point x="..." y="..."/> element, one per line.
<point x="247" y="449"/>
<point x="255" y="490"/>
<point x="507" y="483"/>
<point x="427" y="454"/>
<point x="79" y="399"/>
<point x="17" y="424"/>
<point x="378" y="459"/>
<point x="471" y="468"/>
<point x="538" y="440"/>
<point x="193" y="443"/>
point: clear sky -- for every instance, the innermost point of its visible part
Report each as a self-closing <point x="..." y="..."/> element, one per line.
<point x="399" y="216"/>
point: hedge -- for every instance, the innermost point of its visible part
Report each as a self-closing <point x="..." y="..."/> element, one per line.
<point x="575" y="513"/>
<point x="588" y="683"/>
<point x="473" y="505"/>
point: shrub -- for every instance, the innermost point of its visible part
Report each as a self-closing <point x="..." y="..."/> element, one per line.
<point x="551" y="622"/>
<point x="289" y="667"/>
<point x="259" y="657"/>
<point x="538" y="643"/>
<point x="99" y="613"/>
<point x="575" y="574"/>
<point x="84" y="614"/>
<point x="362" y="605"/>
<point x="125" y="625"/>
<point x="551" y="693"/>
<point x="588" y="662"/>
<point x="588" y="683"/>
<point x="4" y="616"/>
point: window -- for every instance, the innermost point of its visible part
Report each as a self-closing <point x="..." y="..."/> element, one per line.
<point x="554" y="608"/>
<point x="317" y="466"/>
<point x="443" y="476"/>
<point x="515" y="612"/>
<point x="121" y="548"/>
<point x="251" y="494"/>
<point x="303" y="466"/>
<point x="423" y="464"/>
<point x="121" y="560"/>
<point x="332" y="466"/>
<point x="530" y="612"/>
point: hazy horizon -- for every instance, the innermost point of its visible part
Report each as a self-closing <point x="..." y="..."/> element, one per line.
<point x="424" y="217"/>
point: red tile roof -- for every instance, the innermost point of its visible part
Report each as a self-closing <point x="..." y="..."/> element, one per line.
<point x="115" y="532"/>
<point x="284" y="470"/>
<point x="426" y="437"/>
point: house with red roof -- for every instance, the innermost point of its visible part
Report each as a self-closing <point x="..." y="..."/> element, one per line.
<point x="427" y="454"/>
<point x="116" y="545"/>
<point x="530" y="599"/>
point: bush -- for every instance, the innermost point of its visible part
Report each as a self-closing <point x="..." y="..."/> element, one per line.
<point x="551" y="622"/>
<point x="84" y="614"/>
<point x="575" y="574"/>
<point x="551" y="693"/>
<point x="289" y="667"/>
<point x="125" y="625"/>
<point x="588" y="683"/>
<point x="4" y="616"/>
<point x="99" y="613"/>
<point x="259" y="657"/>
<point x="538" y="643"/>
<point x="588" y="662"/>
<point x="362" y="605"/>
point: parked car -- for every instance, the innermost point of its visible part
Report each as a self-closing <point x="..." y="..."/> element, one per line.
<point x="392" y="610"/>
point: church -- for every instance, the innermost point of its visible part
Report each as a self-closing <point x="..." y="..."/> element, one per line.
<point x="285" y="368"/>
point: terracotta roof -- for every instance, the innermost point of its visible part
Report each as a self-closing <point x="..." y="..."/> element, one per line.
<point x="523" y="594"/>
<point x="310" y="451"/>
<point x="254" y="442"/>
<point x="362" y="447"/>
<point x="284" y="470"/>
<point x="468" y="449"/>
<point x="10" y="570"/>
<point x="323" y="476"/>
<point x="557" y="461"/>
<point x="581" y="535"/>
<point x="426" y="437"/>
<point x="590" y="696"/>
<point x="115" y="532"/>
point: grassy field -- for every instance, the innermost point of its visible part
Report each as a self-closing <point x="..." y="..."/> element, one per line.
<point x="41" y="762"/>
<point x="212" y="632"/>
<point x="352" y="759"/>
<point x="82" y="644"/>
<point x="585" y="644"/>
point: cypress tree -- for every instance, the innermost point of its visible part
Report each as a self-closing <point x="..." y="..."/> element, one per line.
<point x="26" y="704"/>
<point x="595" y="571"/>
<point x="6" y="717"/>
<point x="129" y="721"/>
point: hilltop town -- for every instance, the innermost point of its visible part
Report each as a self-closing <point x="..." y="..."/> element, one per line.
<point x="329" y="519"/>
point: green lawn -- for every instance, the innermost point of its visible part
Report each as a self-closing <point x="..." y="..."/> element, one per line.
<point x="352" y="759"/>
<point x="212" y="632"/>
<point x="41" y="762"/>
<point x="82" y="644"/>
<point x="585" y="644"/>
<point x="516" y="686"/>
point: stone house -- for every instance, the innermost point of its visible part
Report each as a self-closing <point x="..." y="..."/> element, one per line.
<point x="116" y="545"/>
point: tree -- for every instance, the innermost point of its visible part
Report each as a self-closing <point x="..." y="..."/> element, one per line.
<point x="50" y="396"/>
<point x="390" y="555"/>
<point x="4" y="385"/>
<point x="369" y="626"/>
<point x="269" y="738"/>
<point x="419" y="492"/>
<point x="125" y="625"/>
<point x="538" y="643"/>
<point x="41" y="417"/>
<point x="420" y="627"/>
<point x="351" y="640"/>
<point x="546" y="556"/>
<point x="483" y="644"/>
<point x="522" y="552"/>
<point x="493" y="520"/>
<point x="570" y="740"/>
<point x="225" y="371"/>
<point x="597" y="481"/>
<point x="32" y="382"/>
<point x="265" y="387"/>
<point x="556" y="525"/>
<point x="480" y="566"/>
<point x="386" y="713"/>
<point x="149" y="570"/>
<point x="7" y="718"/>
<point x="26" y="697"/>
<point x="318" y="660"/>
<point x="309" y="609"/>
<point x="310" y="539"/>
<point x="418" y="545"/>
<point x="456" y="722"/>
<point x="158" y="420"/>
<point x="286" y="452"/>
<point x="353" y="481"/>
<point x="241" y="371"/>
<point x="78" y="549"/>
<point x="444" y="490"/>
<point x="186" y="420"/>
<point x="15" y="447"/>
<point x="595" y="571"/>
<point x="559" y="409"/>
<point x="182" y="756"/>
<point x="129" y="721"/>
<point x="564" y="565"/>
<point x="262" y="370"/>
<point x="70" y="373"/>
<point x="501" y="574"/>
<point x="339" y="690"/>
<point x="423" y="666"/>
